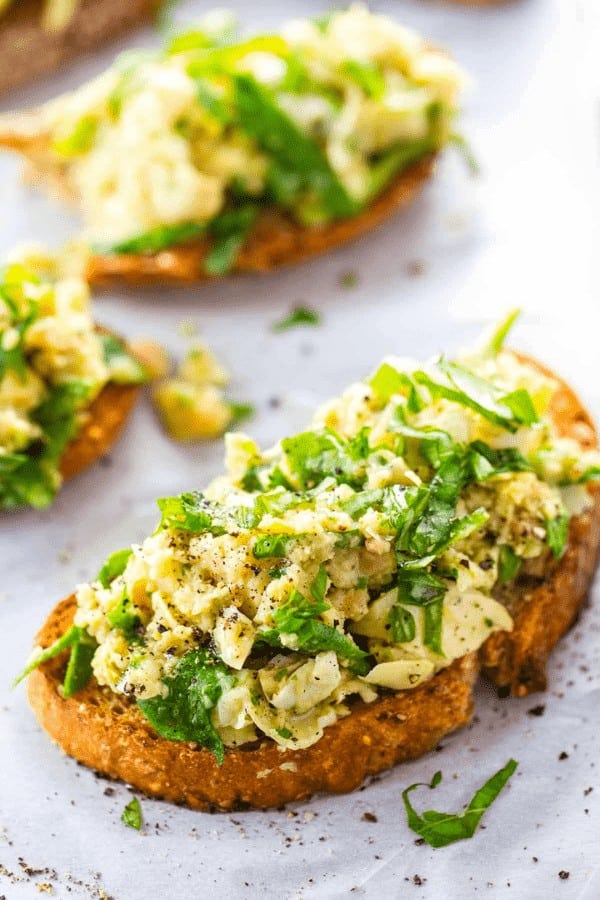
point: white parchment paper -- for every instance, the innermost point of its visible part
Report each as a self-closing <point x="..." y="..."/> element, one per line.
<point x="524" y="233"/>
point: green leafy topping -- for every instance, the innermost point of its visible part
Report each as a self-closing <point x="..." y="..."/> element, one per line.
<point x="293" y="151"/>
<point x="441" y="829"/>
<point x="272" y="545"/>
<point x="318" y="588"/>
<point x="464" y="147"/>
<point x="189" y="512"/>
<point x="313" y="456"/>
<point x="557" y="533"/>
<point x="388" y="381"/>
<point x="508" y="564"/>
<point x="299" y="616"/>
<point x="501" y="332"/>
<point x="240" y="412"/>
<point x="132" y="814"/>
<point x="402" y="625"/>
<point x="366" y="75"/>
<point x="79" y="667"/>
<point x="300" y="315"/>
<point x="160" y="238"/>
<point x="121" y="617"/>
<point x="194" y="688"/>
<point x="229" y="230"/>
<point x="80" y="140"/>
<point x="114" y="566"/>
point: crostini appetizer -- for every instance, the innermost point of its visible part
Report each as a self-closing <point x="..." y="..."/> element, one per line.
<point x="219" y="155"/>
<point x="37" y="36"/>
<point x="321" y="612"/>
<point x="66" y="386"/>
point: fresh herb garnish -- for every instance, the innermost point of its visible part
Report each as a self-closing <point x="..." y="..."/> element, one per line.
<point x="313" y="456"/>
<point x="189" y="512"/>
<point x="160" y="238"/>
<point x="114" y="566"/>
<point x="299" y="616"/>
<point x="229" y="231"/>
<point x="272" y="545"/>
<point x="79" y="667"/>
<point x="300" y="315"/>
<point x="194" y="688"/>
<point x="441" y="829"/>
<point x="508" y="564"/>
<point x="132" y="814"/>
<point x="557" y="533"/>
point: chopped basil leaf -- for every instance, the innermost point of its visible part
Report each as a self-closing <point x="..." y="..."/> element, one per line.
<point x="272" y="545"/>
<point x="467" y="390"/>
<point x="496" y="342"/>
<point x="366" y="75"/>
<point x="291" y="148"/>
<point x="508" y="564"/>
<point x="313" y="456"/>
<point x="114" y="566"/>
<point x="440" y="829"/>
<point x="188" y="512"/>
<point x="160" y="238"/>
<point x="402" y="625"/>
<point x="132" y="814"/>
<point x="299" y="616"/>
<point x="229" y="230"/>
<point x="469" y="157"/>
<point x="521" y="406"/>
<point x="121" y="617"/>
<point x="194" y="689"/>
<point x="592" y="473"/>
<point x="79" y="667"/>
<point x="388" y="381"/>
<point x="301" y="315"/>
<point x="80" y="140"/>
<point x="557" y="533"/>
<point x="122" y="366"/>
<point x="487" y="462"/>
<point x="240" y="412"/>
<point x="61" y="644"/>
<point x="318" y="588"/>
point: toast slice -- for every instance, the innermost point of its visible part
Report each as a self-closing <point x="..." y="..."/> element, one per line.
<point x="544" y="608"/>
<point x="108" y="733"/>
<point x="276" y="239"/>
<point x="28" y="50"/>
<point x="105" y="419"/>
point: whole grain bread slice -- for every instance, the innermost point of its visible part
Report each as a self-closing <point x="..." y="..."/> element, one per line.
<point x="108" y="733"/>
<point x="28" y="51"/>
<point x="276" y="239"/>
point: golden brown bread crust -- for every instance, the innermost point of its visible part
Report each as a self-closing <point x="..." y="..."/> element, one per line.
<point x="27" y="51"/>
<point x="544" y="611"/>
<point x="109" y="734"/>
<point x="104" y="420"/>
<point x="276" y="240"/>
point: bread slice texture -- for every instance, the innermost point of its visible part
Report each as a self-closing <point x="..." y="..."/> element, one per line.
<point x="104" y="420"/>
<point x="108" y="733"/>
<point x="276" y="239"/>
<point x="27" y="51"/>
<point x="545" y="606"/>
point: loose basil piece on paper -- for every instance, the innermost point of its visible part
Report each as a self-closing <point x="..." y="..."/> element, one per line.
<point x="132" y="814"/>
<point x="301" y="315"/>
<point x="440" y="829"/>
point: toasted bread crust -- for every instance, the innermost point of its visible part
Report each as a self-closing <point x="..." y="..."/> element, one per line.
<point x="276" y="240"/>
<point x="543" y="612"/>
<point x="109" y="734"/>
<point x="103" y="423"/>
<point x="27" y="51"/>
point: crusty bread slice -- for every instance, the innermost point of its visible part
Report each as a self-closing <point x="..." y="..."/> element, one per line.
<point x="545" y="606"/>
<point x="104" y="420"/>
<point x="109" y="733"/>
<point x="27" y="51"/>
<point x="276" y="239"/>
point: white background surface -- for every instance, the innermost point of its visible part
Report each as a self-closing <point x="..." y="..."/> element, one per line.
<point x="524" y="233"/>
